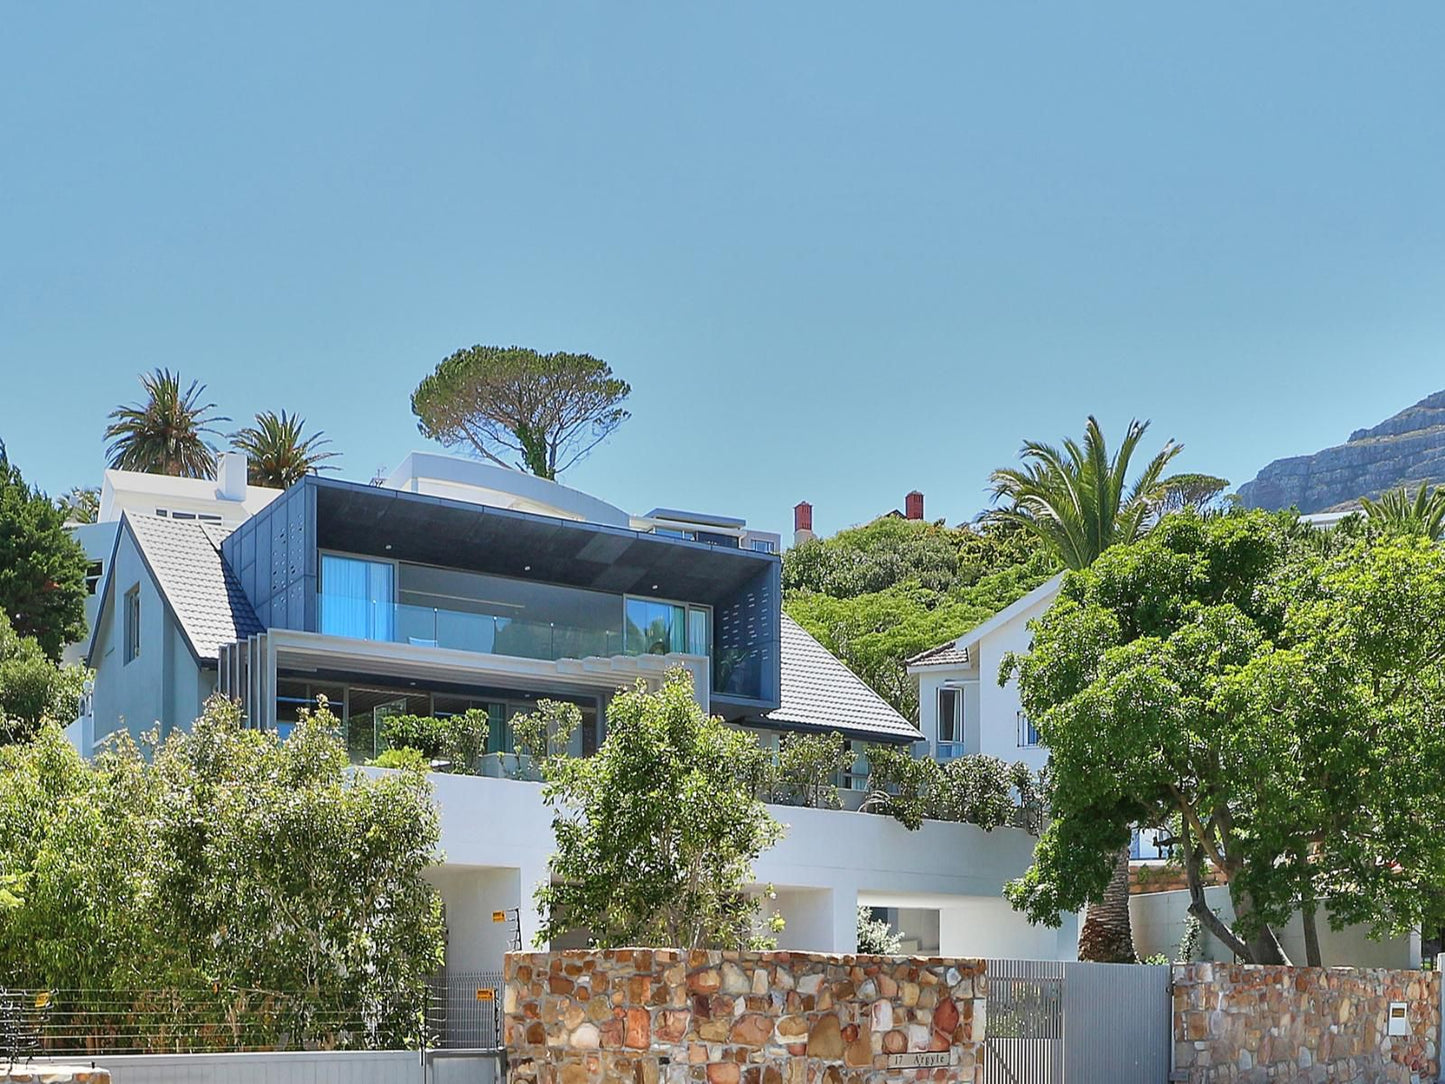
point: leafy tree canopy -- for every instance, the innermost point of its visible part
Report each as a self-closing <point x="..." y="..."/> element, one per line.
<point x="278" y="453"/>
<point x="1079" y="500"/>
<point x="32" y="687"/>
<point x="657" y="833"/>
<point x="549" y="410"/>
<point x="1274" y="700"/>
<point x="79" y="504"/>
<point x="166" y="433"/>
<point x="1396" y="512"/>
<point x="274" y="888"/>
<point x="42" y="568"/>
<point x="1184" y="492"/>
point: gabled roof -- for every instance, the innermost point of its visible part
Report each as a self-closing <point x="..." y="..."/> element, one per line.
<point x="955" y="652"/>
<point x="184" y="560"/>
<point x="949" y="654"/>
<point x="820" y="693"/>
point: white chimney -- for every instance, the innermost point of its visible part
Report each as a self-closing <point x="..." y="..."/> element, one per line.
<point x="231" y="471"/>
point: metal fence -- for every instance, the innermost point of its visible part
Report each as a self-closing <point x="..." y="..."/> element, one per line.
<point x="464" y="1010"/>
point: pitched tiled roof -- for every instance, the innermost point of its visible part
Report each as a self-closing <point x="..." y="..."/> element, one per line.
<point x="820" y="693"/>
<point x="197" y="583"/>
<point x="949" y="654"/>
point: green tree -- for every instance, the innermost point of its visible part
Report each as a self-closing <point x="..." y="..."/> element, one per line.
<point x="278" y="454"/>
<point x="974" y="789"/>
<point x="657" y="833"/>
<point x="1079" y="501"/>
<point x="165" y="434"/>
<point x="275" y="891"/>
<point x="32" y="687"/>
<point x="42" y="568"/>
<point x="1185" y="492"/>
<point x="806" y="771"/>
<point x="1275" y="704"/>
<point x="549" y="410"/>
<point x="453" y="745"/>
<point x="547" y="732"/>
<point x="1397" y="512"/>
<point x="80" y="504"/>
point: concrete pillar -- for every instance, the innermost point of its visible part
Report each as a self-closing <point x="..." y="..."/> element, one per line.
<point x="817" y="919"/>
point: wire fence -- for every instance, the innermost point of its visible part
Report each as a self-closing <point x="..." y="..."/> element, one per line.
<point x="42" y="1023"/>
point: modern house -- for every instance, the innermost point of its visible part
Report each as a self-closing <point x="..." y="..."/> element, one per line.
<point x="454" y="585"/>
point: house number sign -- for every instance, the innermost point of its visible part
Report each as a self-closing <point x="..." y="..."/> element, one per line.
<point x="929" y="1060"/>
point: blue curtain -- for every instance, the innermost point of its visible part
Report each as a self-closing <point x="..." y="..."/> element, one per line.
<point x="356" y="598"/>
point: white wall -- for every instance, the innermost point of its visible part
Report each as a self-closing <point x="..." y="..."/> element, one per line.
<point x="1000" y="706"/>
<point x="985" y="926"/>
<point x="1159" y="920"/>
<point x="497" y="838"/>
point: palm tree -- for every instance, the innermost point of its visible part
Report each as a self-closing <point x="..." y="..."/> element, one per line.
<point x="280" y="457"/>
<point x="1075" y="500"/>
<point x="166" y="433"/>
<point x="1397" y="513"/>
<point x="1080" y="502"/>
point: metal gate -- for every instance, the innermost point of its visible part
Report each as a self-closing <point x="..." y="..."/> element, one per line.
<point x="1024" y="1030"/>
<point x="1073" y="1023"/>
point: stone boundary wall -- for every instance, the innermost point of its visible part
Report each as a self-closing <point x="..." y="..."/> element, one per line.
<point x="1242" y="1022"/>
<point x="667" y="1016"/>
<point x="22" y="1071"/>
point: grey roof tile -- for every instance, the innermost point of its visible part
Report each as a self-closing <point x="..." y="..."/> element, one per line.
<point x="199" y="585"/>
<point x="949" y="654"/>
<point x="820" y="693"/>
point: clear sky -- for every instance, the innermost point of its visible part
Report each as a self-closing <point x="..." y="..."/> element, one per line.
<point x="840" y="250"/>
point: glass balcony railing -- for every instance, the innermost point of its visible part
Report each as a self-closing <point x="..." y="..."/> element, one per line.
<point x="426" y="626"/>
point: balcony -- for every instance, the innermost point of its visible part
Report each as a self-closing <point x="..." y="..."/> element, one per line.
<point x="430" y="626"/>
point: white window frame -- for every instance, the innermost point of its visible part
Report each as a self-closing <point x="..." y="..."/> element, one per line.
<point x="956" y="692"/>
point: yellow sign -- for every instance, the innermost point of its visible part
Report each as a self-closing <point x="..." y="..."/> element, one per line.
<point x="42" y="999"/>
<point x="499" y="916"/>
<point x="486" y="994"/>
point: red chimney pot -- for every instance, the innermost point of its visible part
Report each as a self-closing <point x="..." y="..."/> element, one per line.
<point x="913" y="505"/>
<point x="802" y="516"/>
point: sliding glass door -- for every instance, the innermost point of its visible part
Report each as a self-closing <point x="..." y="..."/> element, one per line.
<point x="357" y="597"/>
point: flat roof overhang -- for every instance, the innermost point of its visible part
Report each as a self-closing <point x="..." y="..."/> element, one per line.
<point x="312" y="651"/>
<point x="456" y="534"/>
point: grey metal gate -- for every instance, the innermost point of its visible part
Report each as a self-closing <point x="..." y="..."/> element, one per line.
<point x="1117" y="1023"/>
<point x="465" y="1010"/>
<point x="1073" y="1023"/>
<point x="1024" y="1031"/>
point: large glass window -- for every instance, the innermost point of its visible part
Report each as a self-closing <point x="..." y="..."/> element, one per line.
<point x="357" y="597"/>
<point x="660" y="628"/>
<point x="949" y="715"/>
<point x="132" y="623"/>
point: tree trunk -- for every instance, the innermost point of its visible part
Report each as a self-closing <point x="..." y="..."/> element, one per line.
<point x="1107" y="936"/>
<point x="1312" y="933"/>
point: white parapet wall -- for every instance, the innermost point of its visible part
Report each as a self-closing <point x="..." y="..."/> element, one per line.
<point x="497" y="838"/>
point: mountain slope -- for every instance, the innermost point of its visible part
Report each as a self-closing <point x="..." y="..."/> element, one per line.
<point x="1407" y="448"/>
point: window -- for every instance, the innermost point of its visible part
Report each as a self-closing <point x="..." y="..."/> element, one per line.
<point x="131" y="612"/>
<point x="950" y="713"/>
<point x="659" y="628"/>
<point x="762" y="545"/>
<point x="356" y="597"/>
<point x="206" y="517"/>
<point x="855" y="776"/>
<point x="162" y="512"/>
<point x="1028" y="736"/>
<point x="183" y="515"/>
<point x="93" y="574"/>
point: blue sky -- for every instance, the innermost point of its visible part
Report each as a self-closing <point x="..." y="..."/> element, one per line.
<point x="840" y="251"/>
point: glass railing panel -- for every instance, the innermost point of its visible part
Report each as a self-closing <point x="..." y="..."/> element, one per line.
<point x="424" y="626"/>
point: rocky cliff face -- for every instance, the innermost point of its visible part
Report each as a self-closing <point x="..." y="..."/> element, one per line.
<point x="1408" y="448"/>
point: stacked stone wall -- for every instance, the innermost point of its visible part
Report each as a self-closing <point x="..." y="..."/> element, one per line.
<point x="1238" y="1022"/>
<point x="657" y="1016"/>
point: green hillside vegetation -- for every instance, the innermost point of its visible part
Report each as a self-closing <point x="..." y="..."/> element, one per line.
<point x="879" y="594"/>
